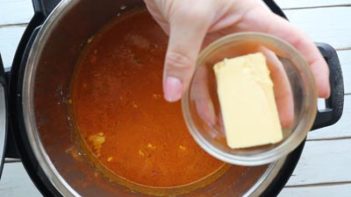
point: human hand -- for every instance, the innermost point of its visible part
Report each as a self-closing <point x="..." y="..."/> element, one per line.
<point x="192" y="25"/>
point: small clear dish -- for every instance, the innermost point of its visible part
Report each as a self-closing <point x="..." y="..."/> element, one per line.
<point x="202" y="112"/>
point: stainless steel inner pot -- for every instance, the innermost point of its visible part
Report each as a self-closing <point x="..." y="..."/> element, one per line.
<point x="48" y="124"/>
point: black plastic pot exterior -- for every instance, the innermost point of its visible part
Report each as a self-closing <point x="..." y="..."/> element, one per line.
<point x="3" y="115"/>
<point x="31" y="163"/>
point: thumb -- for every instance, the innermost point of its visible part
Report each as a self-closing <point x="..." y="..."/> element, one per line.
<point x="188" y="29"/>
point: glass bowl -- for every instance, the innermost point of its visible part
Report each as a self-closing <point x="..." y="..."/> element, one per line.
<point x="201" y="108"/>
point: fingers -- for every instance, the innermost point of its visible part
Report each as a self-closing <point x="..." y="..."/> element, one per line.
<point x="201" y="96"/>
<point x="188" y="28"/>
<point x="275" y="25"/>
<point x="310" y="52"/>
<point x="282" y="89"/>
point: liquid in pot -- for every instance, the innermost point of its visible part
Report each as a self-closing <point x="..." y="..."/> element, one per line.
<point x="125" y="126"/>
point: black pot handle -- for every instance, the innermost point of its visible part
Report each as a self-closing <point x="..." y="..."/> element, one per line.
<point x="335" y="103"/>
<point x="12" y="79"/>
<point x="275" y="8"/>
<point x="44" y="7"/>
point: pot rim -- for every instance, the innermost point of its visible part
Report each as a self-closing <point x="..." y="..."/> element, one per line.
<point x="31" y="129"/>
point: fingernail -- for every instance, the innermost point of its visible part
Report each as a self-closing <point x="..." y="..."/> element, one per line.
<point x="173" y="89"/>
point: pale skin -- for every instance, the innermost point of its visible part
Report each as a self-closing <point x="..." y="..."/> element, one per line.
<point x="193" y="24"/>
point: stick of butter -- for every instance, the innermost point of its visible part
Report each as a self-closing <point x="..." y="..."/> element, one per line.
<point x="246" y="98"/>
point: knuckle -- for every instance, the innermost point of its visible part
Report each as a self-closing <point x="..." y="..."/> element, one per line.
<point x="298" y="39"/>
<point x="196" y="13"/>
<point x="177" y="60"/>
<point x="297" y="42"/>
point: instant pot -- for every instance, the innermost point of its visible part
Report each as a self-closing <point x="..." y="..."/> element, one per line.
<point x="35" y="127"/>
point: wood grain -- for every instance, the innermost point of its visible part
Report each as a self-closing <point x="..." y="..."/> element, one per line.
<point x="323" y="162"/>
<point x="16" y="182"/>
<point x="345" y="61"/>
<point x="9" y="39"/>
<point x="324" y="24"/>
<point x="339" y="190"/>
<point x="308" y="4"/>
<point x="15" y="11"/>
<point x="341" y="129"/>
<point x="326" y="157"/>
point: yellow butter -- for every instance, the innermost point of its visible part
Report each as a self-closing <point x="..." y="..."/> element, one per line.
<point x="246" y="97"/>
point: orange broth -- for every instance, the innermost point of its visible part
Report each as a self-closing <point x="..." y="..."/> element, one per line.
<point x="121" y="116"/>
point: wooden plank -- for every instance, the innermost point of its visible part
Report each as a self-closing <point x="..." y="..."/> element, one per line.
<point x="324" y="24"/>
<point x="323" y="162"/>
<point x="294" y="4"/>
<point x="15" y="11"/>
<point x="341" y="129"/>
<point x="340" y="190"/>
<point x="16" y="182"/>
<point x="9" y="39"/>
<point x="328" y="31"/>
<point x="313" y="167"/>
<point x="345" y="61"/>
